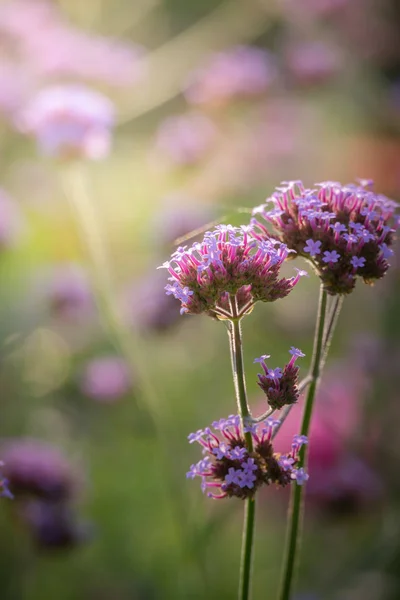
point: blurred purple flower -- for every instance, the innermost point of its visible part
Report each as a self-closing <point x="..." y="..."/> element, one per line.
<point x="35" y="468"/>
<point x="342" y="478"/>
<point x="313" y="62"/>
<point x="69" y="293"/>
<point x="106" y="379"/>
<point x="148" y="307"/>
<point x="239" y="72"/>
<point x="69" y="121"/>
<point x="53" y="524"/>
<point x="186" y="139"/>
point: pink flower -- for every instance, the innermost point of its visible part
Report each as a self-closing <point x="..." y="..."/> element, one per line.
<point x="239" y="72"/>
<point x="106" y="379"/>
<point x="69" y="121"/>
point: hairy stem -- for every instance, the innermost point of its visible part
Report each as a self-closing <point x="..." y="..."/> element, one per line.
<point x="296" y="509"/>
<point x="235" y="335"/>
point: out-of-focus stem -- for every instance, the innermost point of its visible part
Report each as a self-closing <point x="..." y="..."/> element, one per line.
<point x="235" y="335"/>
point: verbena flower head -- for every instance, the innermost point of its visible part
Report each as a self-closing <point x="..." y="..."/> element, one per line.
<point x="228" y="262"/>
<point x="280" y="386"/>
<point x="227" y="466"/>
<point x="346" y="231"/>
<point x="239" y="72"/>
<point x="69" y="121"/>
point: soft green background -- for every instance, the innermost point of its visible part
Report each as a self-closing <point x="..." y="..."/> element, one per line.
<point x="154" y="535"/>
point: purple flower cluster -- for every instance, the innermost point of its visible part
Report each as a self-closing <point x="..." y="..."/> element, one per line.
<point x="344" y="230"/>
<point x="240" y="72"/>
<point x="280" y="386"/>
<point x="228" y="262"/>
<point x="69" y="121"/>
<point x="229" y="467"/>
<point x="45" y="485"/>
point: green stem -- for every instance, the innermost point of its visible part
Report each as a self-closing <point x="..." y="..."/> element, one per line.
<point x="296" y="509"/>
<point x="235" y="335"/>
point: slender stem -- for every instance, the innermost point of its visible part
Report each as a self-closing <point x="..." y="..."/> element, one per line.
<point x="296" y="509"/>
<point x="247" y="549"/>
<point x="235" y="335"/>
<point x="331" y="326"/>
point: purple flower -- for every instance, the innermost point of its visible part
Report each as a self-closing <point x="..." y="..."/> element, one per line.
<point x="331" y="257"/>
<point x="262" y="358"/>
<point x="332" y="222"/>
<point x="69" y="122"/>
<point x="358" y="263"/>
<point x="247" y="479"/>
<point x="52" y="524"/>
<point x="312" y="248"/>
<point x="300" y="476"/>
<point x="226" y="466"/>
<point x="227" y="262"/>
<point x="36" y="469"/>
<point x="280" y="385"/>
<point x="106" y="379"/>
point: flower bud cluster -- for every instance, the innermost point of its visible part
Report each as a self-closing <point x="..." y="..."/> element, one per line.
<point x="344" y="230"/>
<point x="228" y="262"/>
<point x="231" y="469"/>
<point x="280" y="386"/>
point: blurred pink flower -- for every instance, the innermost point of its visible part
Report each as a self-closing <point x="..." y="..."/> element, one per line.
<point x="186" y="139"/>
<point x="313" y="63"/>
<point x="51" y="47"/>
<point x="106" y="379"/>
<point x="340" y="476"/>
<point x="69" y="121"/>
<point x="239" y="72"/>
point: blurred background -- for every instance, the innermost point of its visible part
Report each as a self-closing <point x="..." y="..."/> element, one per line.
<point x="210" y="105"/>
